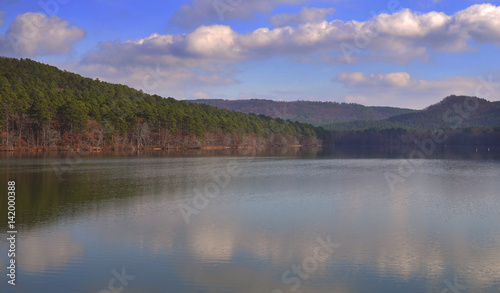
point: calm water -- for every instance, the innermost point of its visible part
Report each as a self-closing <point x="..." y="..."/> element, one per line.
<point x="257" y="224"/>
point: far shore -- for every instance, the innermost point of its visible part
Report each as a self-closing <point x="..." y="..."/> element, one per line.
<point x="146" y="148"/>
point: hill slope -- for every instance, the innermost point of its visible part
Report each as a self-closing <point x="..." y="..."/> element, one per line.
<point x="316" y="113"/>
<point x="451" y="112"/>
<point x="42" y="106"/>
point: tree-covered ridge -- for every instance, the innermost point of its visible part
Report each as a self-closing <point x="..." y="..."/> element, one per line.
<point x="451" y="112"/>
<point x="44" y="106"/>
<point x="316" y="113"/>
<point x="350" y="116"/>
<point x="456" y="120"/>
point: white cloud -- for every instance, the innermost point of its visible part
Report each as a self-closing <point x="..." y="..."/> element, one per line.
<point x="207" y="45"/>
<point x="206" y="55"/>
<point x="168" y="62"/>
<point x="217" y="41"/>
<point x="35" y="34"/>
<point x="481" y="21"/>
<point x="304" y="16"/>
<point x="211" y="11"/>
<point x="358" y="79"/>
<point x="201" y="95"/>
<point x="399" y="89"/>
<point x="401" y="36"/>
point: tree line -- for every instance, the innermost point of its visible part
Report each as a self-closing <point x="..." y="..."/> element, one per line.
<point x="44" y="107"/>
<point x="487" y="136"/>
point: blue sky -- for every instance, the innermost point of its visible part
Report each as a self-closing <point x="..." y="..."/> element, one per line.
<point x="397" y="53"/>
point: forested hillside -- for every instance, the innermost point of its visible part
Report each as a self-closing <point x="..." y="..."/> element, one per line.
<point x="316" y="113"/>
<point x="459" y="120"/>
<point x="451" y="112"/>
<point x="44" y="107"/>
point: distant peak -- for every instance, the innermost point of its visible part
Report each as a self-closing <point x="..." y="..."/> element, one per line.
<point x="451" y="100"/>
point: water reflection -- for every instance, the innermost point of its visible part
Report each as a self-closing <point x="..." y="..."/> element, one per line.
<point x="114" y="212"/>
<point x="38" y="254"/>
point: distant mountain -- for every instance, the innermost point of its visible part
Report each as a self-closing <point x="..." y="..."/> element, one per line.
<point x="451" y="112"/>
<point x="347" y="116"/>
<point x="454" y="111"/>
<point x="316" y="113"/>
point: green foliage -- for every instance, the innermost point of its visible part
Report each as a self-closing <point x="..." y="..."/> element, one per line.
<point x="73" y="114"/>
<point x="40" y="110"/>
<point x="451" y="112"/>
<point x="67" y="101"/>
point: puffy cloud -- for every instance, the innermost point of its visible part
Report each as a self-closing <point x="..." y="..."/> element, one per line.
<point x="399" y="89"/>
<point x="2" y="17"/>
<point x="358" y="79"/>
<point x="398" y="37"/>
<point x="481" y="21"/>
<point x="206" y="55"/>
<point x="35" y="34"/>
<point x="160" y="62"/>
<point x="209" y="11"/>
<point x="304" y="16"/>
<point x="205" y="45"/>
<point x="215" y="42"/>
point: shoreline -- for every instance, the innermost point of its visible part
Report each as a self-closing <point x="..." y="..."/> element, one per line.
<point x="147" y="149"/>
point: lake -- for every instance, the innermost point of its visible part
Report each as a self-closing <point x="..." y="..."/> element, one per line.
<point x="342" y="220"/>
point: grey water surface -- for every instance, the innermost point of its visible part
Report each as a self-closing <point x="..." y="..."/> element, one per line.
<point x="300" y="222"/>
